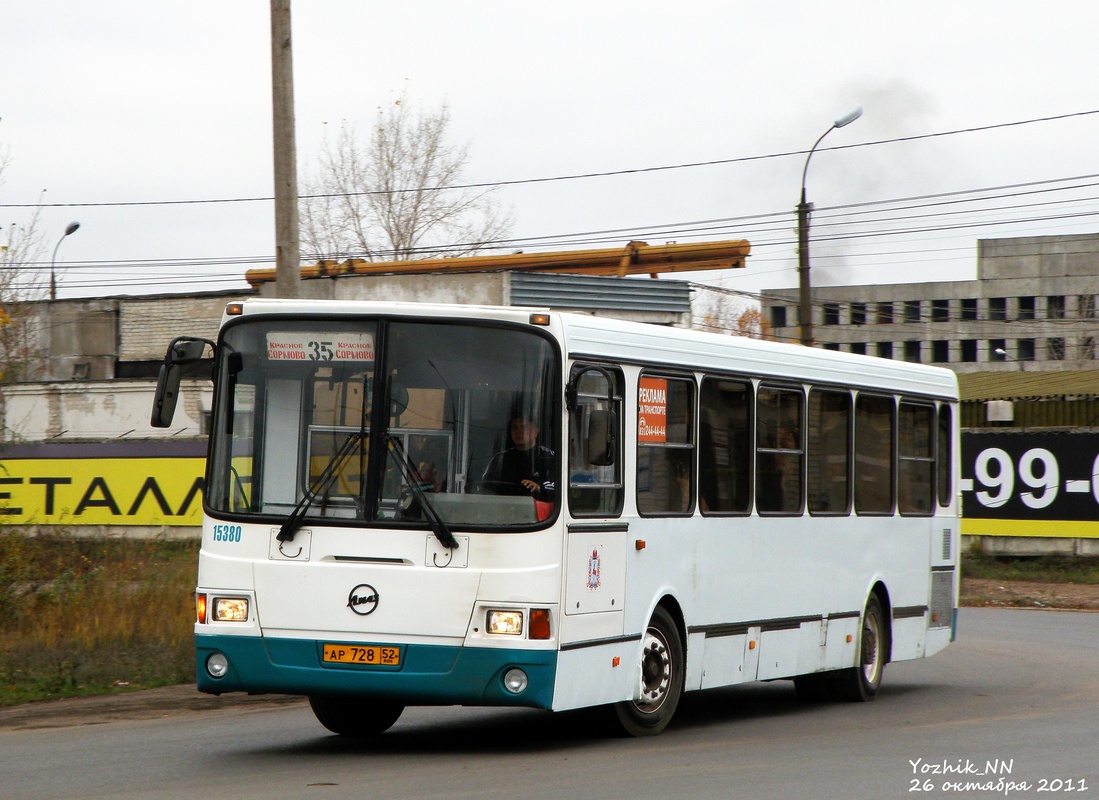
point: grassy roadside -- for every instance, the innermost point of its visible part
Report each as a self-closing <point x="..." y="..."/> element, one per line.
<point x="93" y="617"/>
<point x="82" y="617"/>
<point x="1043" y="569"/>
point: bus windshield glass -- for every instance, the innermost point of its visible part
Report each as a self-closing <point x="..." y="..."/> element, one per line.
<point x="346" y="421"/>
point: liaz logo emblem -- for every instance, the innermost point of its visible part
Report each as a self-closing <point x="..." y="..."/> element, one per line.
<point x="363" y="599"/>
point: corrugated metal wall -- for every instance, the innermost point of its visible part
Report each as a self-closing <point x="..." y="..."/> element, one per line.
<point x="592" y="292"/>
<point x="1037" y="413"/>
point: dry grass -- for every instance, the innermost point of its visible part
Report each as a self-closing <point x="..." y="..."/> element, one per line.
<point x="1045" y="569"/>
<point x="89" y="617"/>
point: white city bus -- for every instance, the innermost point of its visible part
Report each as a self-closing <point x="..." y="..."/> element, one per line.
<point x="676" y="511"/>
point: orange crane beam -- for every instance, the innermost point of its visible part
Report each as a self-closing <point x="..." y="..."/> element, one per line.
<point x="637" y="258"/>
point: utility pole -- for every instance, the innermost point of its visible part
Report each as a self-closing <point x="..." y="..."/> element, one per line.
<point x="805" y="293"/>
<point x="287" y="235"/>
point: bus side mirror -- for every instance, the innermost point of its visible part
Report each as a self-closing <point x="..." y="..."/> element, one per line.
<point x="182" y="350"/>
<point x="167" y="392"/>
<point x="187" y="351"/>
<point x="602" y="427"/>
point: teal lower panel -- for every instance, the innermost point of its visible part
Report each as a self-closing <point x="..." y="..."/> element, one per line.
<point x="428" y="674"/>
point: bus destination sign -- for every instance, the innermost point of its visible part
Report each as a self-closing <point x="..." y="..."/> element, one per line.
<point x="319" y="346"/>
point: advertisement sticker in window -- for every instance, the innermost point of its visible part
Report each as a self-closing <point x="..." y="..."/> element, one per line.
<point x="652" y="410"/>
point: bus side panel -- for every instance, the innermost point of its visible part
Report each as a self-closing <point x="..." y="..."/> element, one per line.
<point x="908" y="636"/>
<point x="778" y="651"/>
<point x="596" y="675"/>
<point x="938" y="639"/>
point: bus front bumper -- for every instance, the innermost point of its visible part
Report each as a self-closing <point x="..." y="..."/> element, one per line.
<point x="427" y="674"/>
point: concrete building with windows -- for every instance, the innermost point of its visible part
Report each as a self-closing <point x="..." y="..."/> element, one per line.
<point x="1032" y="307"/>
<point x="1022" y="338"/>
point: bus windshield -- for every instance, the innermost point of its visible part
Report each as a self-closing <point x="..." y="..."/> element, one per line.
<point x="361" y="422"/>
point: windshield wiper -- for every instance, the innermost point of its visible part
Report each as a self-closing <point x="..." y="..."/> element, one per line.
<point x="320" y="486"/>
<point x="414" y="481"/>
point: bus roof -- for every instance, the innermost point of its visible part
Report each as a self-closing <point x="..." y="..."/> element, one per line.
<point x="593" y="337"/>
<point x="605" y="338"/>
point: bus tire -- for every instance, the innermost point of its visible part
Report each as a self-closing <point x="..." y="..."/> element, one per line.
<point x="662" y="672"/>
<point x="861" y="683"/>
<point x="355" y="716"/>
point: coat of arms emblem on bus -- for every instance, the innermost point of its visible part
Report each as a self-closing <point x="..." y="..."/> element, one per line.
<point x="593" y="571"/>
<point x="363" y="599"/>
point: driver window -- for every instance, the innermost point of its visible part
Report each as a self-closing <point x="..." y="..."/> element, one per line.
<point x="595" y="475"/>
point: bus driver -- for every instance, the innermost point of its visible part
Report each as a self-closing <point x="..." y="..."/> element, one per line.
<point x="525" y="467"/>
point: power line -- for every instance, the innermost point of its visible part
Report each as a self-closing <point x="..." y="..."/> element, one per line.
<point x="572" y="177"/>
<point x="945" y="215"/>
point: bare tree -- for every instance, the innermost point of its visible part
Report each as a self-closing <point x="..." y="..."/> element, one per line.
<point x="397" y="195"/>
<point x="21" y="246"/>
<point x="753" y="324"/>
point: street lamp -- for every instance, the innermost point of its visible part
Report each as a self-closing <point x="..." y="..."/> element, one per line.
<point x="69" y="230"/>
<point x="1005" y="356"/>
<point x="805" y="308"/>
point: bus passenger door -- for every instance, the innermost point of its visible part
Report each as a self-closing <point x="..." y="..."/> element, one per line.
<point x="595" y="564"/>
<point x="591" y="666"/>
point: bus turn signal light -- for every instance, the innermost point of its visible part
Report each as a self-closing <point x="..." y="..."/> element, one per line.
<point x="200" y="608"/>
<point x="539" y="623"/>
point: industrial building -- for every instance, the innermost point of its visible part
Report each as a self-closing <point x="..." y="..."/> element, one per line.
<point x="1022" y="338"/>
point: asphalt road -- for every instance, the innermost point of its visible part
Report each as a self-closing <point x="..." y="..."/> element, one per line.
<point x="1020" y="689"/>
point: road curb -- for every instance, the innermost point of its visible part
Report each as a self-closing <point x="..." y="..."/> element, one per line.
<point x="145" y="704"/>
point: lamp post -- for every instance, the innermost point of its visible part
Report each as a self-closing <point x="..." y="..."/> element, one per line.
<point x="69" y="230"/>
<point x="805" y="306"/>
<point x="1005" y="356"/>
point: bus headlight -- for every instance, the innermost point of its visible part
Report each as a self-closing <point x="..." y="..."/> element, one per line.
<point x="230" y="609"/>
<point x="505" y="622"/>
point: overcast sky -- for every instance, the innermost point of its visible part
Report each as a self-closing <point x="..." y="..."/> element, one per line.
<point x="131" y="101"/>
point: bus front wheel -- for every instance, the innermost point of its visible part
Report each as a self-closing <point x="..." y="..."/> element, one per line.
<point x="662" y="671"/>
<point x="861" y="683"/>
<point x="355" y="716"/>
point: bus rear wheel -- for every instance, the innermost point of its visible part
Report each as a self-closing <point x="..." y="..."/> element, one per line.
<point x="662" y="672"/>
<point x="861" y="683"/>
<point x="355" y="716"/>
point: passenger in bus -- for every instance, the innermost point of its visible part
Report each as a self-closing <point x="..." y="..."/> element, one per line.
<point x="525" y="467"/>
<point x="429" y="454"/>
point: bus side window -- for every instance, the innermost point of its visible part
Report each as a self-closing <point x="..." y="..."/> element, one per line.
<point x="945" y="456"/>
<point x="665" y="445"/>
<point x="779" y="451"/>
<point x="874" y="454"/>
<point x="724" y="446"/>
<point x="595" y="478"/>
<point x="915" y="459"/>
<point x="829" y="452"/>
